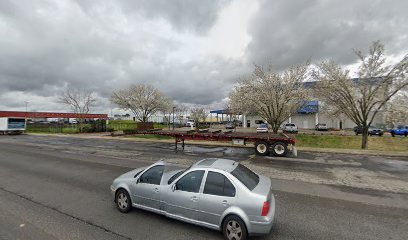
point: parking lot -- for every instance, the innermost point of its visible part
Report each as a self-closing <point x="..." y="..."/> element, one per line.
<point x="58" y="187"/>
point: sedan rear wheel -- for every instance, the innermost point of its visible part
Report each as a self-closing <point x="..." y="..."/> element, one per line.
<point x="123" y="202"/>
<point x="234" y="229"/>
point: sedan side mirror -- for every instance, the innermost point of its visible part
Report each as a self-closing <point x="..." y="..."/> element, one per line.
<point x="173" y="187"/>
<point x="138" y="181"/>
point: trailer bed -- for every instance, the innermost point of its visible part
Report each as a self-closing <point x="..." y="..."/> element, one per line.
<point x="263" y="141"/>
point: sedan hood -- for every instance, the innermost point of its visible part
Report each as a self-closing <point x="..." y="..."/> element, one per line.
<point x="131" y="174"/>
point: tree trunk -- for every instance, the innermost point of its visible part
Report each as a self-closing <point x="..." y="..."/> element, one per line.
<point x="275" y="128"/>
<point x="364" y="140"/>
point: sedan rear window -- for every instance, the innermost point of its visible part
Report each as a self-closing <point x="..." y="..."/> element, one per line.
<point x="246" y="176"/>
<point x="218" y="184"/>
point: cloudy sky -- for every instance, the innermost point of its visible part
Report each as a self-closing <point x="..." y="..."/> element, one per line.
<point x="194" y="51"/>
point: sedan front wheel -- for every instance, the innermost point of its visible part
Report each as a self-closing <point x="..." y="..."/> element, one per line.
<point x="123" y="202"/>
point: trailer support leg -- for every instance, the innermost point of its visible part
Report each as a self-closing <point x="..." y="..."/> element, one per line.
<point x="182" y="143"/>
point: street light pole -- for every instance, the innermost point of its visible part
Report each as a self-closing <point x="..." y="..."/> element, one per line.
<point x="26" y="107"/>
<point x="173" y="116"/>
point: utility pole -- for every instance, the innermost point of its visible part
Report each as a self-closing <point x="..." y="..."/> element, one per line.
<point x="26" y="113"/>
<point x="173" y="116"/>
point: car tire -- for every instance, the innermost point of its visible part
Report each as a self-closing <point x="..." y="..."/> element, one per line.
<point x="262" y="148"/>
<point x="392" y="134"/>
<point x="406" y="134"/>
<point x="234" y="228"/>
<point x="123" y="201"/>
<point x="279" y="149"/>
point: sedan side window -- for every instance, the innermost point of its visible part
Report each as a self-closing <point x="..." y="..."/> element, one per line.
<point x="153" y="175"/>
<point x="218" y="184"/>
<point x="191" y="182"/>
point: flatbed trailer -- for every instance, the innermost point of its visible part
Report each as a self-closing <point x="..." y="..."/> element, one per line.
<point x="265" y="143"/>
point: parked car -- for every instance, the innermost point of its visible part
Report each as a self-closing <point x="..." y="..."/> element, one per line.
<point x="229" y="125"/>
<point x="190" y="123"/>
<point x="237" y="123"/>
<point x="371" y="131"/>
<point x="375" y="131"/>
<point x="73" y="121"/>
<point x="290" y="128"/>
<point x="263" y="128"/>
<point x="321" y="127"/>
<point x="400" y="131"/>
<point x="219" y="194"/>
<point x="357" y="130"/>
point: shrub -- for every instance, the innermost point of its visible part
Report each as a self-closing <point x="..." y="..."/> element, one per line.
<point x="129" y="131"/>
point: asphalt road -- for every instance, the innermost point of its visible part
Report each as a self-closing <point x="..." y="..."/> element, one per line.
<point x="53" y="192"/>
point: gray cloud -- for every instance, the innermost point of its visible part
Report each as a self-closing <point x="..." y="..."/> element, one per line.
<point x="183" y="15"/>
<point x="289" y="32"/>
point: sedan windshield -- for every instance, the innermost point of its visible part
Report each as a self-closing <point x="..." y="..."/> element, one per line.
<point x="246" y="176"/>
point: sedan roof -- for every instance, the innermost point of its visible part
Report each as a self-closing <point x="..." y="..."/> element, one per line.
<point x="217" y="163"/>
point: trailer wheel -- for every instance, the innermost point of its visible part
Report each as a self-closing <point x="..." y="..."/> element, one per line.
<point x="262" y="148"/>
<point x="279" y="149"/>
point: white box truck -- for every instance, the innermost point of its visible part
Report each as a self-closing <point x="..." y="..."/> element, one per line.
<point x="12" y="125"/>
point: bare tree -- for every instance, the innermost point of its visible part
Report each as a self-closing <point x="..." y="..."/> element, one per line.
<point x="80" y="101"/>
<point x="167" y="110"/>
<point x="180" y="111"/>
<point x="362" y="98"/>
<point x="271" y="95"/>
<point x="198" y="114"/>
<point x="143" y="100"/>
<point x="397" y="110"/>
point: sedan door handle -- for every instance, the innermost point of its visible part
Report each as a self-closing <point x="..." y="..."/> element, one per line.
<point x="225" y="203"/>
<point x="194" y="198"/>
<point x="156" y="190"/>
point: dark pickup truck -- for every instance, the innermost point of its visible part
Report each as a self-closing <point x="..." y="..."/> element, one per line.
<point x="371" y="131"/>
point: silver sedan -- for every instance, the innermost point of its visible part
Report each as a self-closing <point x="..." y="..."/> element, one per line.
<point x="216" y="193"/>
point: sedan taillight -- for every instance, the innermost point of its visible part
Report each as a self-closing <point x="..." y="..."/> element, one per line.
<point x="265" y="209"/>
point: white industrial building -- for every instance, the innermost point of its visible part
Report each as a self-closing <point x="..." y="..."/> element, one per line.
<point x="311" y="114"/>
<point x="308" y="116"/>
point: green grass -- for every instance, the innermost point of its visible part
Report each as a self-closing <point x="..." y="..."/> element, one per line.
<point x="152" y="136"/>
<point x="121" y="121"/>
<point x="157" y="125"/>
<point x="119" y="125"/>
<point x="384" y="143"/>
<point x="51" y="129"/>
